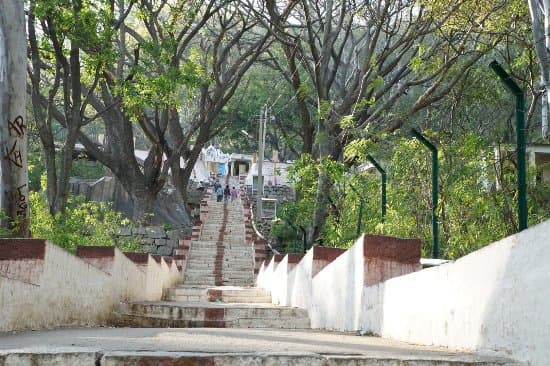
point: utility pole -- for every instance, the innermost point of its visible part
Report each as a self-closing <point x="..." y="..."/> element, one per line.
<point x="261" y="138"/>
<point x="14" y="187"/>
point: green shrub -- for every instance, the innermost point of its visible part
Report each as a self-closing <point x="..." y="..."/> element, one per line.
<point x="84" y="223"/>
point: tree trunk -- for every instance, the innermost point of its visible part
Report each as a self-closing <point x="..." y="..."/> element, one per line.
<point x="541" y="37"/>
<point x="176" y="138"/>
<point x="330" y="148"/>
<point x="324" y="186"/>
<point x="60" y="203"/>
<point x="143" y="200"/>
<point x="188" y="169"/>
<point x="13" y="131"/>
<point x="43" y="120"/>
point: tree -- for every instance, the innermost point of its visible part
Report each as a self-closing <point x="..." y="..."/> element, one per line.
<point x="68" y="54"/>
<point x="13" y="130"/>
<point x="363" y="62"/>
<point x="540" y="17"/>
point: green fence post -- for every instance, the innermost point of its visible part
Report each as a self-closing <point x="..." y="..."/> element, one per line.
<point x="435" y="189"/>
<point x="520" y="140"/>
<point x="383" y="175"/>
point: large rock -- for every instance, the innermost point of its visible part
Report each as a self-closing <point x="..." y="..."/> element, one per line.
<point x="168" y="209"/>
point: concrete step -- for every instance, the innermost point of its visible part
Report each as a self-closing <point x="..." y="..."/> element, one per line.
<point x="225" y="272"/>
<point x="199" y="271"/>
<point x="226" y="294"/>
<point x="226" y="264"/>
<point x="126" y="320"/>
<point x="237" y="262"/>
<point x="213" y="243"/>
<point x="234" y="294"/>
<point x="227" y="238"/>
<point x="214" y="282"/>
<point x="217" y="281"/>
<point x="213" y="239"/>
<point x="210" y="315"/>
<point x="214" y="251"/>
<point x="225" y="245"/>
<point x="226" y="248"/>
<point x="212" y="260"/>
<point x="107" y="346"/>
<point x="210" y="256"/>
<point x="206" y="274"/>
<point x="209" y="272"/>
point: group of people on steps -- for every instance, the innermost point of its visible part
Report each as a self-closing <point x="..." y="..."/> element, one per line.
<point x="226" y="193"/>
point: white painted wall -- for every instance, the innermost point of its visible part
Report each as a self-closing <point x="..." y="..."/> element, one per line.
<point x="279" y="288"/>
<point x="154" y="280"/>
<point x="495" y="300"/>
<point x="300" y="283"/>
<point x="265" y="275"/>
<point x="337" y="291"/>
<point x="70" y="291"/>
<point x="130" y="280"/>
<point x="332" y="298"/>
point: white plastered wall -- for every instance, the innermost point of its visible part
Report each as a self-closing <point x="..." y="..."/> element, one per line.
<point x="495" y="300"/>
<point x="70" y="291"/>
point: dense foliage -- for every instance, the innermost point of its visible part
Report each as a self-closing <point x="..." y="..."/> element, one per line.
<point x="86" y="223"/>
<point x="476" y="198"/>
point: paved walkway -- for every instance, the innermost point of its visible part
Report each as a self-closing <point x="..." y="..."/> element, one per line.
<point x="209" y="346"/>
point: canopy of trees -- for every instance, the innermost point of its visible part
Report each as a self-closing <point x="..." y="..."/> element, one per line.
<point x="342" y="79"/>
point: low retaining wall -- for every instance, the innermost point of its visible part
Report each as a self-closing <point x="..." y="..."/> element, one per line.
<point x="42" y="285"/>
<point x="496" y="299"/>
<point x="329" y="282"/>
<point x="157" y="240"/>
<point x="493" y="301"/>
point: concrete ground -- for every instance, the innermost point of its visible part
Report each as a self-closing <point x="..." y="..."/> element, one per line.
<point x="209" y="346"/>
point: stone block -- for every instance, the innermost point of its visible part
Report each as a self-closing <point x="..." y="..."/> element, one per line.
<point x="172" y="243"/>
<point x="155" y="232"/>
<point x="148" y="248"/>
<point x="147" y="241"/>
<point x="161" y="242"/>
<point x="139" y="231"/>
<point x="164" y="250"/>
<point x="174" y="234"/>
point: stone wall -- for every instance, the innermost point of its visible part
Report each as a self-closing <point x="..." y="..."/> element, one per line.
<point x="278" y="192"/>
<point x="281" y="193"/>
<point x="264" y="227"/>
<point x="156" y="239"/>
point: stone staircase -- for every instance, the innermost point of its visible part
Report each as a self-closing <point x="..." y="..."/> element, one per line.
<point x="221" y="256"/>
<point x="216" y="291"/>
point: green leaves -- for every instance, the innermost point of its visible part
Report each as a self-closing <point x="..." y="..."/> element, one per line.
<point x="85" y="223"/>
<point x="162" y="90"/>
<point x="472" y="213"/>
